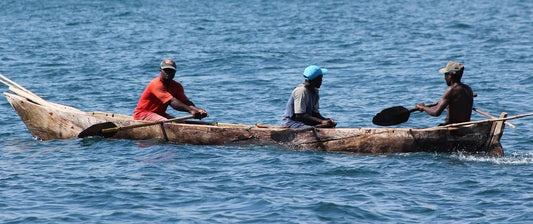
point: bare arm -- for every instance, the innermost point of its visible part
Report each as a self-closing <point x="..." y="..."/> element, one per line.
<point x="188" y="107"/>
<point x="306" y="118"/>
<point x="437" y="109"/>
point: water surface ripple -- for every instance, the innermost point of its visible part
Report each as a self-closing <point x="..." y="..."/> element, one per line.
<point x="240" y="60"/>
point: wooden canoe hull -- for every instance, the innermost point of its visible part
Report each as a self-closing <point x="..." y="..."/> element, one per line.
<point x="48" y="121"/>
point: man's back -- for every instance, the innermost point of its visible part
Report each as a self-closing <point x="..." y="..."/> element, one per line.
<point x="461" y="100"/>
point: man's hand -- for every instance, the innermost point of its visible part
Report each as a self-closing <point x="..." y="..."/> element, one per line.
<point x="328" y="123"/>
<point x="420" y="107"/>
<point x="199" y="113"/>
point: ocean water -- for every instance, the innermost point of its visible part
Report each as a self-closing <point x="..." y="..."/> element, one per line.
<point x="240" y="60"/>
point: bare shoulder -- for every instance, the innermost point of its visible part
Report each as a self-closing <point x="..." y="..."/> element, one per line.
<point x="464" y="88"/>
<point x="459" y="90"/>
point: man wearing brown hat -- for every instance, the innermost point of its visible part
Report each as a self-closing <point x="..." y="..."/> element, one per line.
<point x="162" y="92"/>
<point x="457" y="99"/>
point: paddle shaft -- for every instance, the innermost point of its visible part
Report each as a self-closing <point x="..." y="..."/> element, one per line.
<point x="16" y="85"/>
<point x="116" y="129"/>
<point x="27" y="95"/>
<point x="429" y="105"/>
<point x="489" y="120"/>
<point x="474" y="109"/>
<point x="493" y="117"/>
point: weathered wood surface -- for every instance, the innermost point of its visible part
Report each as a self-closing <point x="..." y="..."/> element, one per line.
<point x="53" y="121"/>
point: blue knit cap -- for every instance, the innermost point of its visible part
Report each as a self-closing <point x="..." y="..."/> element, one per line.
<point x="313" y="71"/>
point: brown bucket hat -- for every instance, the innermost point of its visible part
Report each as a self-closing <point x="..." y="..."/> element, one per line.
<point x="452" y="66"/>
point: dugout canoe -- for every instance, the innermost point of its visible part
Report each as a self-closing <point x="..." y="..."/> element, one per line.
<point x="46" y="120"/>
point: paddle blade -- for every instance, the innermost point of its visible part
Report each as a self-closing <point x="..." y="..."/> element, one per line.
<point x="391" y="116"/>
<point x="96" y="130"/>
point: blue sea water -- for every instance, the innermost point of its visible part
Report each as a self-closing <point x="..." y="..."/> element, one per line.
<point x="240" y="60"/>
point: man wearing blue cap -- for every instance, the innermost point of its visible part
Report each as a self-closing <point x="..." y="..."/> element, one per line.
<point x="302" y="107"/>
<point x="457" y="99"/>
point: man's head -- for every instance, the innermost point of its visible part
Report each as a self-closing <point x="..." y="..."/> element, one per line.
<point x="452" y="72"/>
<point x="167" y="70"/>
<point x="313" y="75"/>
<point x="168" y="63"/>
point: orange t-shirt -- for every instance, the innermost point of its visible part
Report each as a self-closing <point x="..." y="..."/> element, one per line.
<point x="156" y="98"/>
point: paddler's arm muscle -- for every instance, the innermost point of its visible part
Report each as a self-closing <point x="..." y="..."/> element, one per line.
<point x="188" y="106"/>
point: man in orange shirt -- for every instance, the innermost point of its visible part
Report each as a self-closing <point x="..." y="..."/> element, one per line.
<point x="162" y="92"/>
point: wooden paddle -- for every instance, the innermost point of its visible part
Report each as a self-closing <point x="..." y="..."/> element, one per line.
<point x="397" y="115"/>
<point x="493" y="117"/>
<point x="394" y="115"/>
<point x="108" y="129"/>
<point x="489" y="120"/>
<point x="16" y="85"/>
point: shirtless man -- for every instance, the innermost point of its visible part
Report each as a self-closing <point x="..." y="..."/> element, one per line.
<point x="457" y="99"/>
